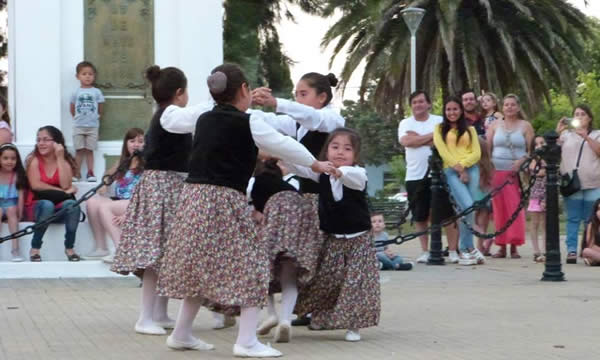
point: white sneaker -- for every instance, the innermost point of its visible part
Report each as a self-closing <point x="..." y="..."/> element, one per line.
<point x="283" y="332"/>
<point x="257" y="351"/>
<point x="15" y="256"/>
<point x="91" y="178"/>
<point x="109" y="259"/>
<point x="478" y="256"/>
<point x="150" y="329"/>
<point x="75" y="179"/>
<point x="224" y="322"/>
<point x="352" y="336"/>
<point x="267" y="325"/>
<point x="196" y="345"/>
<point x="97" y="253"/>
<point x="453" y="257"/>
<point x="423" y="258"/>
<point x="466" y="259"/>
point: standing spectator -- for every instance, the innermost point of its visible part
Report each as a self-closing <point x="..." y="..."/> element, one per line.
<point x="6" y="135"/>
<point x="537" y="202"/>
<point x="489" y="110"/>
<point x="458" y="145"/>
<point x="107" y="214"/>
<point x="49" y="170"/>
<point x="471" y="106"/>
<point x="580" y="138"/>
<point x="415" y="133"/>
<point x="509" y="139"/>
<point x="86" y="109"/>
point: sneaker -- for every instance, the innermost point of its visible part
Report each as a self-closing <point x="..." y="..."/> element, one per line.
<point x="404" y="266"/>
<point x="467" y="259"/>
<point x="572" y="258"/>
<point x="75" y="179"/>
<point x="380" y="265"/>
<point x="97" y="253"/>
<point x="477" y="255"/>
<point x="352" y="336"/>
<point x="15" y="256"/>
<point x="423" y="258"/>
<point x="453" y="257"/>
<point x="91" y="177"/>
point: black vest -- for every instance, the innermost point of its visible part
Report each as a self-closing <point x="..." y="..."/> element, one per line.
<point x="313" y="141"/>
<point x="223" y="152"/>
<point x="164" y="150"/>
<point x="265" y="186"/>
<point x="347" y="216"/>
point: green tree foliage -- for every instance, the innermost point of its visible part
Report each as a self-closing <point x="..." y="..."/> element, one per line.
<point x="251" y="40"/>
<point x="502" y="46"/>
<point x="378" y="134"/>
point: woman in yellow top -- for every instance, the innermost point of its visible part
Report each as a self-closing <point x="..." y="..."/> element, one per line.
<point x="458" y="146"/>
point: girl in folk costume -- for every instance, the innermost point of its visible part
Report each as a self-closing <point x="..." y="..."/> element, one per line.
<point x="344" y="293"/>
<point x="293" y="240"/>
<point x="309" y="119"/>
<point x="152" y="206"/>
<point x="212" y="225"/>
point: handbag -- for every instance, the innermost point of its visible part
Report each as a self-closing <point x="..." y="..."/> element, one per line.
<point x="56" y="196"/>
<point x="570" y="184"/>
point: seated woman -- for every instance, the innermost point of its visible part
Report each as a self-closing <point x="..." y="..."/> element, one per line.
<point x="107" y="213"/>
<point x="591" y="254"/>
<point x="50" y="170"/>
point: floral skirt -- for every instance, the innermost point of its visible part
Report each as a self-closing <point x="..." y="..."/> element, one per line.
<point x="344" y="293"/>
<point x="291" y="231"/>
<point x="214" y="252"/>
<point x="148" y="220"/>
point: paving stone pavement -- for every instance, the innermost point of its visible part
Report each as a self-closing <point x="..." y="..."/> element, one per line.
<point x="495" y="311"/>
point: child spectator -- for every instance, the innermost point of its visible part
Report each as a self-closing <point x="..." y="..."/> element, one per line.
<point x="388" y="260"/>
<point x="489" y="107"/>
<point x="537" y="202"/>
<point x="482" y="215"/>
<point x="86" y="109"/>
<point x="591" y="254"/>
<point x="6" y="135"/>
<point x="12" y="183"/>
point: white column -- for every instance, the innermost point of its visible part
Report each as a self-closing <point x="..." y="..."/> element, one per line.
<point x="34" y="61"/>
<point x="189" y="35"/>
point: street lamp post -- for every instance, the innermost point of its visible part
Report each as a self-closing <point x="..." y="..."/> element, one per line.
<point x="412" y="17"/>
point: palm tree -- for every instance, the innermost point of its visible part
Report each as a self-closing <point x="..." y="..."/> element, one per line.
<point x="503" y="46"/>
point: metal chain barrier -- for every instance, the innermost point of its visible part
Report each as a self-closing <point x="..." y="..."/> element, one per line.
<point x="460" y="214"/>
<point x="107" y="180"/>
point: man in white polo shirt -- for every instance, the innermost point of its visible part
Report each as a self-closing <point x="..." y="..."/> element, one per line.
<point x="415" y="133"/>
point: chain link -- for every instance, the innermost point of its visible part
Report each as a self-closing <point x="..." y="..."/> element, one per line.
<point x="460" y="214"/>
<point x="107" y="180"/>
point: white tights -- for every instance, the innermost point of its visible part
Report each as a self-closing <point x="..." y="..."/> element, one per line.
<point x="289" y="293"/>
<point x="153" y="307"/>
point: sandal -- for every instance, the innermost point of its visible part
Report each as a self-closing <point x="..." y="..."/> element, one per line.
<point x="35" y="258"/>
<point x="72" y="257"/>
<point x="515" y="255"/>
<point x="501" y="254"/>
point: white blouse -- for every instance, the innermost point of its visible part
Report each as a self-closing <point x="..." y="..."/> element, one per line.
<point x="180" y="120"/>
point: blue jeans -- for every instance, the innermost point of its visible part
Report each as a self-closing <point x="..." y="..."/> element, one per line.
<point x="464" y="194"/>
<point x="44" y="209"/>
<point x="389" y="264"/>
<point x="579" y="208"/>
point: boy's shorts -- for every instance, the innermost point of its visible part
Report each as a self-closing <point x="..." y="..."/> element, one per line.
<point x="85" y="138"/>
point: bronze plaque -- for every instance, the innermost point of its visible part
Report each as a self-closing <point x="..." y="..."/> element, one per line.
<point x="119" y="41"/>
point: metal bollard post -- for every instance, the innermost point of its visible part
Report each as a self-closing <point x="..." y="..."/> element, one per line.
<point x="435" y="246"/>
<point x="551" y="155"/>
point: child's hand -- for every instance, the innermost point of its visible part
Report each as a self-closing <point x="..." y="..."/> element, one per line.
<point x="262" y="96"/>
<point x="322" y="166"/>
<point x="59" y="150"/>
<point x="119" y="220"/>
<point x="336" y="173"/>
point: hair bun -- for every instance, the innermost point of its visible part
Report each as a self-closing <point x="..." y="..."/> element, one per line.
<point x="333" y="80"/>
<point x="217" y="82"/>
<point x="153" y="73"/>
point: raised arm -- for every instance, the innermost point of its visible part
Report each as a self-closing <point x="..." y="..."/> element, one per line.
<point x="282" y="123"/>
<point x="353" y="177"/>
<point x="182" y="120"/>
<point x="324" y="120"/>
